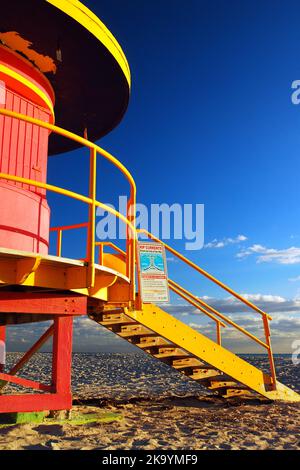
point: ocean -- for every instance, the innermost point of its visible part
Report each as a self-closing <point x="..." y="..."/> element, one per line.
<point x="119" y="376"/>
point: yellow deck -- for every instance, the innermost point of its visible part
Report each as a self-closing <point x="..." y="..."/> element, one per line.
<point x="53" y="272"/>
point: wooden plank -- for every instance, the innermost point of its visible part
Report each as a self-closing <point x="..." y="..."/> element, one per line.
<point x="62" y="354"/>
<point x="42" y="303"/>
<point x="25" y="382"/>
<point x="186" y="362"/>
<point x="30" y="402"/>
<point x="151" y="342"/>
<point x="204" y="374"/>
<point x="36" y="346"/>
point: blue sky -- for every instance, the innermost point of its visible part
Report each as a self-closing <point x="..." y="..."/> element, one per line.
<point x="210" y="121"/>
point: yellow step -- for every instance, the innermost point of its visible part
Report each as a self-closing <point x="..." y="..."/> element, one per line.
<point x="150" y="342"/>
<point x="186" y="363"/>
<point x="116" y="320"/>
<point x="203" y="374"/>
<point x="167" y="352"/>
<point x="135" y="330"/>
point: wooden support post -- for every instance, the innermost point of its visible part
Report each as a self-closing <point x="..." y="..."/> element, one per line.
<point x="62" y="360"/>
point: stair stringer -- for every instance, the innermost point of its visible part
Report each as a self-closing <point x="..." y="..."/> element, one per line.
<point x="198" y="345"/>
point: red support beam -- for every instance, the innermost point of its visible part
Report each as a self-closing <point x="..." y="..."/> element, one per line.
<point x="62" y="354"/>
<point x="30" y="402"/>
<point x="25" y="383"/>
<point x="42" y="302"/>
<point x="2" y="333"/>
<point x="28" y="355"/>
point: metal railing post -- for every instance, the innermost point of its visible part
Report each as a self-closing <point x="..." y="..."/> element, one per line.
<point x="92" y="218"/>
<point x="219" y="334"/>
<point x="101" y="253"/>
<point x="59" y="243"/>
<point x="270" y="352"/>
<point x="131" y="245"/>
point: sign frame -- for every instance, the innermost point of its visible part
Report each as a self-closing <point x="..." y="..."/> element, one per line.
<point x="161" y="279"/>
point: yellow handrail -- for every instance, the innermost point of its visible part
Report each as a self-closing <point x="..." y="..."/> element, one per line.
<point x="131" y="209"/>
<point x="60" y="231"/>
<point x="197" y="302"/>
<point x="177" y="288"/>
<point x="191" y="298"/>
<point x="205" y="273"/>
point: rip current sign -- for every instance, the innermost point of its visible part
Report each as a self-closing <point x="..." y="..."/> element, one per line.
<point x="153" y="274"/>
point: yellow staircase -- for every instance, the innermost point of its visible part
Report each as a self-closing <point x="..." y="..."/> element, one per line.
<point x="186" y="350"/>
<point x="199" y="358"/>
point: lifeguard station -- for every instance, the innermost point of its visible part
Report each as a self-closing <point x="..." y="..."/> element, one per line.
<point x="49" y="106"/>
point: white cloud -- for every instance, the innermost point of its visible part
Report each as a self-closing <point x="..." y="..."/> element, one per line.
<point x="267" y="255"/>
<point x="268" y="303"/>
<point x="225" y="241"/>
<point x="294" y="279"/>
<point x="171" y="259"/>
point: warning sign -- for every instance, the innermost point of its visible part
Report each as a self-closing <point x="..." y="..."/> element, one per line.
<point x="153" y="272"/>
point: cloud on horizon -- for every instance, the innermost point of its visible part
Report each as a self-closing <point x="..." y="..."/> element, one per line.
<point x="268" y="255"/>
<point x="268" y="303"/>
<point x="90" y="337"/>
<point x="225" y="242"/>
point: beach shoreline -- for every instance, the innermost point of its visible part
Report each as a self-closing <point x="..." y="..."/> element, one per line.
<point x="175" y="423"/>
<point x="159" y="409"/>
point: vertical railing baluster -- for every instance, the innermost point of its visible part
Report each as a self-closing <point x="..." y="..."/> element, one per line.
<point x="101" y="252"/>
<point x="59" y="243"/>
<point x="219" y="334"/>
<point x="270" y="352"/>
<point x="92" y="218"/>
<point x="131" y="245"/>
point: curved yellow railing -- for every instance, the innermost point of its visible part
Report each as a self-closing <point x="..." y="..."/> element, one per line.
<point x="129" y="220"/>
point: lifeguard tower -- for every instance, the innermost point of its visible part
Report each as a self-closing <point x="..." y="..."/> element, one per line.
<point x="65" y="83"/>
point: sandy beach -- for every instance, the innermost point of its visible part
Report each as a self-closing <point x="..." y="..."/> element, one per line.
<point x="169" y="424"/>
<point x="180" y="418"/>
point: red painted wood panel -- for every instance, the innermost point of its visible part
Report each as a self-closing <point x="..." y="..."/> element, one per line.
<point x="2" y="333"/>
<point x="32" y="402"/>
<point x="62" y="354"/>
<point x="24" y="153"/>
<point x="42" y="303"/>
<point x="25" y="382"/>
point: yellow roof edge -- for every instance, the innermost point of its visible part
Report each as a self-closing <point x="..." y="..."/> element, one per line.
<point x="94" y="25"/>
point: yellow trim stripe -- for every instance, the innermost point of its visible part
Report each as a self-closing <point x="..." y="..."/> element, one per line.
<point x="92" y="23"/>
<point x="16" y="76"/>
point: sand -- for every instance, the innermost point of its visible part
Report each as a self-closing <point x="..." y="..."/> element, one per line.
<point x="177" y="423"/>
<point x="159" y="409"/>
